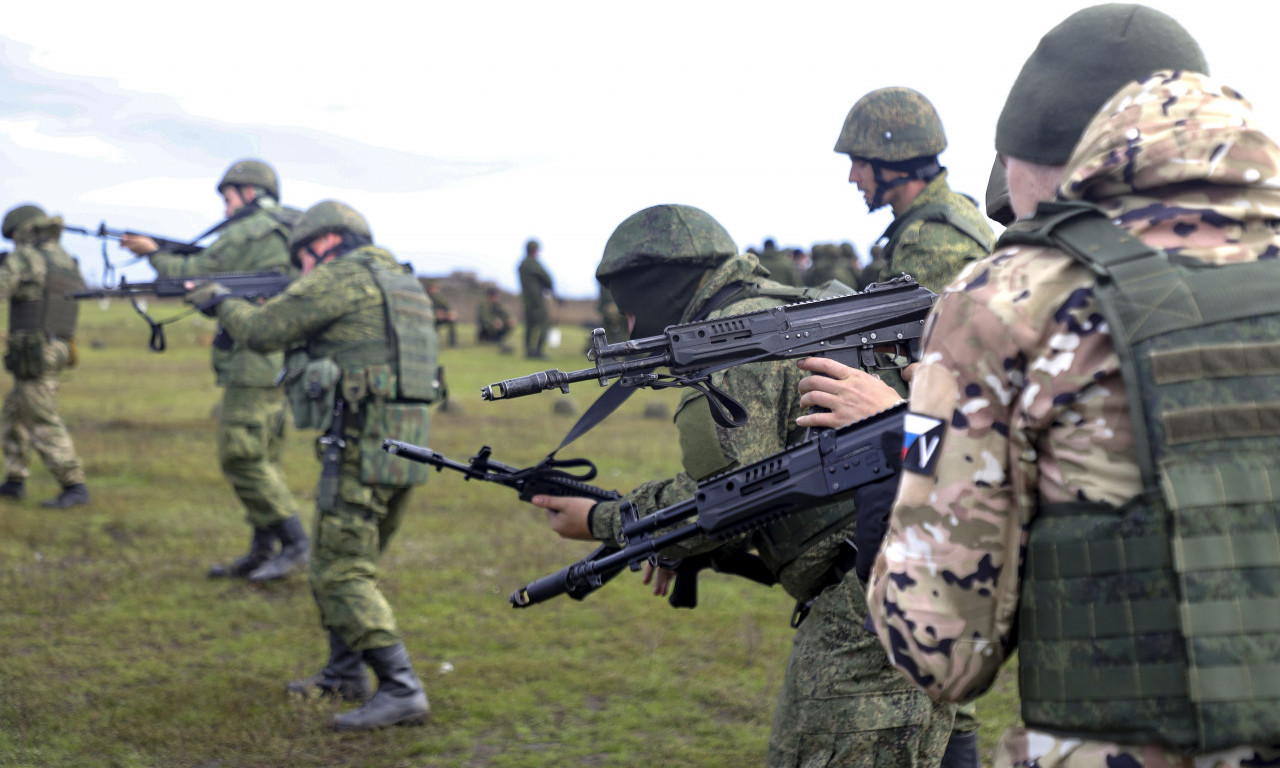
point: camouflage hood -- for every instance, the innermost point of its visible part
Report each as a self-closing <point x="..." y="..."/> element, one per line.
<point x="1179" y="159"/>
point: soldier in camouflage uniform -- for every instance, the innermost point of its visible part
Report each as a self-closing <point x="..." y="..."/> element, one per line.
<point x="1035" y="474"/>
<point x="535" y="288"/>
<point x="446" y="318"/>
<point x="612" y="320"/>
<point x="780" y="265"/>
<point x="493" y="321"/>
<point x="829" y="263"/>
<point x="251" y="419"/>
<point x="892" y="137"/>
<point x="34" y="279"/>
<point x="841" y="702"/>
<point x="362" y="368"/>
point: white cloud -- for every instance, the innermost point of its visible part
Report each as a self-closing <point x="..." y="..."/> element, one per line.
<point x="28" y="134"/>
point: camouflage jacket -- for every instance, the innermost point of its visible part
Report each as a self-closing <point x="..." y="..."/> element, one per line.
<point x="254" y="243"/>
<point x="1026" y="382"/>
<point x="535" y="284"/>
<point x="492" y="316"/>
<point x="781" y="268"/>
<point x="930" y="251"/>
<point x="23" y="272"/>
<point x="768" y="391"/>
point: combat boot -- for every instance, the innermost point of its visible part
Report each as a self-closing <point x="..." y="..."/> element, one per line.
<point x="343" y="677"/>
<point x="261" y="547"/>
<point x="13" y="488"/>
<point x="294" y="552"/>
<point x="72" y="496"/>
<point x="399" y="699"/>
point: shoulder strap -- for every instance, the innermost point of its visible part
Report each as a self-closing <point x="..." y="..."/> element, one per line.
<point x="940" y="213"/>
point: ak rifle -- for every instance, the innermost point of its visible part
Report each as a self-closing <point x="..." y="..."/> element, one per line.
<point x="828" y="466"/>
<point x="165" y="244"/>
<point x="885" y="317"/>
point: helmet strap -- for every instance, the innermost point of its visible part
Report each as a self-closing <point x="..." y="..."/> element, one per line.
<point x="917" y="169"/>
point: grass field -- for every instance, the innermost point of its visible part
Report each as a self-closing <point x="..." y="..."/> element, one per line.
<point x="115" y="650"/>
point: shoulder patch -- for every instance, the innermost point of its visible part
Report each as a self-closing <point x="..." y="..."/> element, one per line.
<point x="922" y="437"/>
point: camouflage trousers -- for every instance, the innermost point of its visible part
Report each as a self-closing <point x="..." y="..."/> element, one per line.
<point x="250" y="440"/>
<point x="536" y="326"/>
<point x="346" y="545"/>
<point x="842" y="704"/>
<point x="29" y="420"/>
<point x="1025" y="748"/>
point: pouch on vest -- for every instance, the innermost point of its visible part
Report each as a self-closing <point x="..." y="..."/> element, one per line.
<point x="311" y="386"/>
<point x="24" y="357"/>
<point x="403" y="421"/>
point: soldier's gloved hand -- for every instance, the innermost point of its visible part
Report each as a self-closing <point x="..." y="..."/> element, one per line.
<point x="206" y="297"/>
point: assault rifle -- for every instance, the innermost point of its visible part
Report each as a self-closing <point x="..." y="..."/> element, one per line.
<point x="243" y="285"/>
<point x="828" y="466"/>
<point x="107" y="233"/>
<point x="852" y="329"/>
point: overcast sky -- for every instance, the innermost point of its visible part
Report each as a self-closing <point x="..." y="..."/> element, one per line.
<point x="462" y="129"/>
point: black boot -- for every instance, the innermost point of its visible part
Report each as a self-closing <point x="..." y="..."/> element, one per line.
<point x="399" y="700"/>
<point x="13" y="488"/>
<point x="962" y="751"/>
<point x="344" y="676"/>
<point x="72" y="496"/>
<point x="261" y="547"/>
<point x="293" y="555"/>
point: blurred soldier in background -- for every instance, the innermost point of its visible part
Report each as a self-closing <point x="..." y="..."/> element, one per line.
<point x="893" y="137"/>
<point x="445" y="316"/>
<point x="493" y="321"/>
<point x="251" y="419"/>
<point x="362" y="367"/>
<point x="535" y="289"/>
<point x="781" y="268"/>
<point x="841" y="703"/>
<point x="611" y="318"/>
<point x="42" y="324"/>
<point x="829" y="264"/>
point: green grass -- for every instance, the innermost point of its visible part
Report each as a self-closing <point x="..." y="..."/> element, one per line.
<point x="115" y="650"/>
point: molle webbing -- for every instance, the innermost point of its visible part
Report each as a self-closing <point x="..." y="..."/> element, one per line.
<point x="411" y="328"/>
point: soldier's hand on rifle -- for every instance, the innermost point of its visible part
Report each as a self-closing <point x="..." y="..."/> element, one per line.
<point x="660" y="577"/>
<point x="206" y="297"/>
<point x="567" y="515"/>
<point x="141" y="245"/>
<point x="848" y="394"/>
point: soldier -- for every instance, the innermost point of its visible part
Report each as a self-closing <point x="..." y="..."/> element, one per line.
<point x="493" y="321"/>
<point x="1094" y="463"/>
<point x="781" y="268"/>
<point x="42" y="325"/>
<point x="251" y="418"/>
<point x="445" y="316"/>
<point x="362" y="369"/>
<point x="840" y="700"/>
<point x="893" y="137"/>
<point x="829" y="264"/>
<point x="535" y="288"/>
<point x="611" y="318"/>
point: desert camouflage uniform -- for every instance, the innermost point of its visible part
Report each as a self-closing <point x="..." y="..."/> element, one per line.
<point x="1028" y="384"/>
<point x="535" y="284"/>
<point x="841" y="703"/>
<point x="338" y="302"/>
<point x="251" y="419"/>
<point x="29" y="416"/>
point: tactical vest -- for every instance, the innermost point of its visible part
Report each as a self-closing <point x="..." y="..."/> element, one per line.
<point x="57" y="315"/>
<point x="939" y="213"/>
<point x="1159" y="620"/>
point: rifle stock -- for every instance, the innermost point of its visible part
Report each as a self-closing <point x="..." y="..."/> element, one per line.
<point x="829" y="466"/>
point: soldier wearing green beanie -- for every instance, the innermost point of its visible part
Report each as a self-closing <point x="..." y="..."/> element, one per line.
<point x="841" y="704"/>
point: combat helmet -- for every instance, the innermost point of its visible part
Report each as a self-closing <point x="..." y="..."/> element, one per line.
<point x="896" y="129"/>
<point x="1078" y="66"/>
<point x="19" y="216"/>
<point x="251" y="173"/>
<point x="665" y="234"/>
<point x="325" y="217"/>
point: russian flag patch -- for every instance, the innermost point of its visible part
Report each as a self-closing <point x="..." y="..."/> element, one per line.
<point x="921" y="440"/>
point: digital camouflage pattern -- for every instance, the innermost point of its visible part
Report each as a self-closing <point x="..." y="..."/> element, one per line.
<point x="841" y="703"/>
<point x="535" y="287"/>
<point x="782" y="269"/>
<point x="29" y="417"/>
<point x="892" y="125"/>
<point x="1028" y="385"/>
<point x="251" y="419"/>
<point x="338" y="303"/>
<point x="930" y="251"/>
<point x="251" y="173"/>
<point x="829" y="262"/>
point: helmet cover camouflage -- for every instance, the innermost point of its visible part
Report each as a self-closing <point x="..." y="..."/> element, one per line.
<point x="323" y="218"/>
<point x="251" y="173"/>
<point x="18" y="216"/>
<point x="1078" y="66"/>
<point x="892" y="125"/>
<point x="666" y="234"/>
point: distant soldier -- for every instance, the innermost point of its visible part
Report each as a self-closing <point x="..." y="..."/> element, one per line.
<point x="827" y="264"/>
<point x="493" y="321"/>
<point x="42" y="326"/>
<point x="445" y="316"/>
<point x="535" y="289"/>
<point x="893" y="137"/>
<point x="251" y="420"/>
<point x="611" y="318"/>
<point x="781" y="268"/>
<point x="362" y="368"/>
